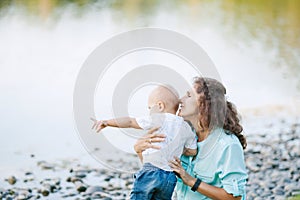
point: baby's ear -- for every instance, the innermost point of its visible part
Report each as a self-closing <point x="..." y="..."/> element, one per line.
<point x="161" y="106"/>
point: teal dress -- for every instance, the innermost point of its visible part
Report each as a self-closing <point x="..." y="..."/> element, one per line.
<point x="219" y="162"/>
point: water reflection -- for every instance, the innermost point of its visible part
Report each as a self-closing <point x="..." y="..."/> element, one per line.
<point x="44" y="43"/>
<point x="275" y="24"/>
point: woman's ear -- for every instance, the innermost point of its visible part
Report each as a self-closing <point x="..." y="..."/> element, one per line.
<point x="161" y="106"/>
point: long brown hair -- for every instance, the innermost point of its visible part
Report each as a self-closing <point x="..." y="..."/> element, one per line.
<point x="215" y="110"/>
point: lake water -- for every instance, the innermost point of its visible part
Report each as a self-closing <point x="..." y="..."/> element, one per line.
<point x="255" y="46"/>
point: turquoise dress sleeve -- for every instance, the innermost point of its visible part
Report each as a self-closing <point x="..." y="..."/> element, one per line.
<point x="233" y="175"/>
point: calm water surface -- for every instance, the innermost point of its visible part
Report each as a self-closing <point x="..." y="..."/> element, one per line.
<point x="255" y="46"/>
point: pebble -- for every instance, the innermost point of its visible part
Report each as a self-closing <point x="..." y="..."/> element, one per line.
<point x="93" y="189"/>
<point x="80" y="187"/>
<point x="73" y="179"/>
<point x="45" y="192"/>
<point x="80" y="175"/>
<point x="22" y="197"/>
<point x="45" y="165"/>
<point x="11" y="180"/>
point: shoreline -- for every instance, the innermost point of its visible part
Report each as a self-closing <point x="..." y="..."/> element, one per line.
<point x="272" y="159"/>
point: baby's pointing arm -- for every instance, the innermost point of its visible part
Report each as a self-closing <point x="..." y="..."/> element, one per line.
<point x="123" y="122"/>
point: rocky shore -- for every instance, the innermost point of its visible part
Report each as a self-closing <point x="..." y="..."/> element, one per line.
<point x="272" y="158"/>
<point x="273" y="161"/>
<point x="64" y="180"/>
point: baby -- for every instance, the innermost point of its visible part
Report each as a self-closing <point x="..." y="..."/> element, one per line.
<point x="156" y="180"/>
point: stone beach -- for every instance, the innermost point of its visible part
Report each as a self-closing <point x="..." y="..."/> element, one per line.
<point x="65" y="180"/>
<point x="273" y="162"/>
<point x="272" y="159"/>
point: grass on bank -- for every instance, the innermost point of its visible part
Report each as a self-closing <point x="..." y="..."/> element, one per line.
<point x="295" y="198"/>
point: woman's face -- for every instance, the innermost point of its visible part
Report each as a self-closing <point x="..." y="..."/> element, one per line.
<point x="189" y="105"/>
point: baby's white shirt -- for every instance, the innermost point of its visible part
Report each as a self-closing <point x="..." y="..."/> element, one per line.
<point x="178" y="133"/>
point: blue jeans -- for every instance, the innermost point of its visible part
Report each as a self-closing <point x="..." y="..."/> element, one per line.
<point x="153" y="183"/>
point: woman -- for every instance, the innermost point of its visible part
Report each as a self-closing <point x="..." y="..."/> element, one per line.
<point x="218" y="171"/>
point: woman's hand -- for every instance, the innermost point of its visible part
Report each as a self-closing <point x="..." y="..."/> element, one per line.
<point x="146" y="141"/>
<point x="179" y="171"/>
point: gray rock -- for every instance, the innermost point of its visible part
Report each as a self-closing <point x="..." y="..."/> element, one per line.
<point x="103" y="184"/>
<point x="93" y="189"/>
<point x="295" y="193"/>
<point x="278" y="191"/>
<point x="283" y="166"/>
<point x="69" y="195"/>
<point x="291" y="188"/>
<point x="44" y="165"/>
<point x="80" y="175"/>
<point x="73" y="179"/>
<point x="22" y="197"/>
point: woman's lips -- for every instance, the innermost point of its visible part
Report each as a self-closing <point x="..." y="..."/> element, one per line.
<point x="179" y="109"/>
<point x="179" y="112"/>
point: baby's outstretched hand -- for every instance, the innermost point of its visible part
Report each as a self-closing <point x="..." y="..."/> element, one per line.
<point x="98" y="125"/>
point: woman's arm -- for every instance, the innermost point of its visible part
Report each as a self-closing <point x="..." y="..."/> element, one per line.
<point x="204" y="188"/>
<point x="212" y="191"/>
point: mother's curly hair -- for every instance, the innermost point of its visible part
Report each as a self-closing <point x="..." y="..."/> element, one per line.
<point x="215" y="110"/>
